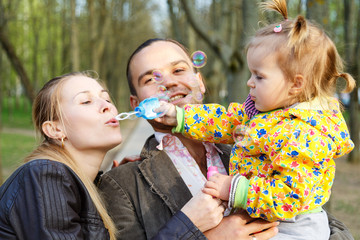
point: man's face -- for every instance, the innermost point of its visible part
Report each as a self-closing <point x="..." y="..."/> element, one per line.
<point x="182" y="85"/>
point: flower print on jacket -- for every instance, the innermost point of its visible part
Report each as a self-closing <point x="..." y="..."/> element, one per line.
<point x="289" y="152"/>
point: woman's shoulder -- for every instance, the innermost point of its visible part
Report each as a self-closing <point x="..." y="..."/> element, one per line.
<point x="43" y="168"/>
<point x="35" y="173"/>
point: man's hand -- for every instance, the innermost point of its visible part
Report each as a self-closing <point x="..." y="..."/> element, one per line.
<point x="126" y="159"/>
<point x="240" y="226"/>
<point x="204" y="211"/>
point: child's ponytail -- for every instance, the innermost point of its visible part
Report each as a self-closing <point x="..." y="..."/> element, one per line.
<point x="298" y="33"/>
<point x="275" y="5"/>
<point x="350" y="82"/>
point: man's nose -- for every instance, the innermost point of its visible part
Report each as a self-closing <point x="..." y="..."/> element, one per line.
<point x="168" y="80"/>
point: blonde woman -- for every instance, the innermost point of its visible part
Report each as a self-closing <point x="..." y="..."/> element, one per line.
<point x="52" y="196"/>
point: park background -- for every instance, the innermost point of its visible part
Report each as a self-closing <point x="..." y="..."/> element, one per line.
<point x="40" y="39"/>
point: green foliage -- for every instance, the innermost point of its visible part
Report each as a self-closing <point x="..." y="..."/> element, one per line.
<point x="14" y="147"/>
<point x="16" y="115"/>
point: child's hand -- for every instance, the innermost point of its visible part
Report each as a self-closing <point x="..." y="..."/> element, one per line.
<point x="218" y="186"/>
<point x="169" y="114"/>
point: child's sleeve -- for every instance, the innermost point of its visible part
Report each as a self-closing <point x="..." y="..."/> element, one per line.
<point x="210" y="122"/>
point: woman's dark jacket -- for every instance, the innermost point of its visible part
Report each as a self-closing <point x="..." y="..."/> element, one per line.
<point x="44" y="199"/>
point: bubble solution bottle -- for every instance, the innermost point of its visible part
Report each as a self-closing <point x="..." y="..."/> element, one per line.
<point x="211" y="171"/>
<point x="144" y="110"/>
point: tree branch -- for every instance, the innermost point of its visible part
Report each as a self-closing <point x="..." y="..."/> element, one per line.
<point x="17" y="64"/>
<point x="222" y="50"/>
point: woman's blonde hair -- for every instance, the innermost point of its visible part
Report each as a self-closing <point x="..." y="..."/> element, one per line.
<point x="302" y="48"/>
<point x="47" y="107"/>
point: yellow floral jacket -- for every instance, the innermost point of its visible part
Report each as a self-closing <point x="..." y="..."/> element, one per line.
<point x="286" y="154"/>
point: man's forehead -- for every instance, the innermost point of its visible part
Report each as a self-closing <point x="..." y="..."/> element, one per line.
<point x="159" y="52"/>
<point x="157" y="56"/>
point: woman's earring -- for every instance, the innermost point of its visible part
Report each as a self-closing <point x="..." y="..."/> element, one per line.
<point x="62" y="142"/>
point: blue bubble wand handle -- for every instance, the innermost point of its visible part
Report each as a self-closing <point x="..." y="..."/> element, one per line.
<point x="144" y="110"/>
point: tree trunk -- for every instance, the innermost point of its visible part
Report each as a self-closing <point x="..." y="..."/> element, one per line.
<point x="318" y="10"/>
<point x="230" y="55"/>
<point x="75" y="56"/>
<point x="174" y="24"/>
<point x="352" y="62"/>
<point x="17" y="64"/>
<point x="1" y="104"/>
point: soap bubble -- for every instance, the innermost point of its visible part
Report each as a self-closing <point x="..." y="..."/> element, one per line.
<point x="158" y="76"/>
<point x="198" y="96"/>
<point x="193" y="82"/>
<point x="239" y="133"/>
<point x="162" y="88"/>
<point x="163" y="93"/>
<point x="199" y="59"/>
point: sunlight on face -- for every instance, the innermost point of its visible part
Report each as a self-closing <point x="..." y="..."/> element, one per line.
<point x="89" y="115"/>
<point x="177" y="74"/>
<point x="268" y="87"/>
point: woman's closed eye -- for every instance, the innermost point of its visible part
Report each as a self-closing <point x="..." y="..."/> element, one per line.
<point x="86" y="102"/>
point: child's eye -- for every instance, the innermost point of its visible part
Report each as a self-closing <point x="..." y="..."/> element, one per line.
<point x="86" y="102"/>
<point x="258" y="77"/>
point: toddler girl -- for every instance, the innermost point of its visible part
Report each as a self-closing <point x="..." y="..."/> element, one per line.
<point x="287" y="133"/>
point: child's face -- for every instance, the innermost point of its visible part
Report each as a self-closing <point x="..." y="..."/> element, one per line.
<point x="268" y="87"/>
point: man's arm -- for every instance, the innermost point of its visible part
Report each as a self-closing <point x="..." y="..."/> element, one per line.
<point x="338" y="230"/>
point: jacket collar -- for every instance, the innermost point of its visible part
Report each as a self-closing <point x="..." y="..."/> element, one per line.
<point x="161" y="174"/>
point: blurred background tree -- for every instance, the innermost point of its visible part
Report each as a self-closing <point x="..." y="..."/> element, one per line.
<point x="41" y="39"/>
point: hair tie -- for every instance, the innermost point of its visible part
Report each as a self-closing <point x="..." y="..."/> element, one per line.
<point x="278" y="28"/>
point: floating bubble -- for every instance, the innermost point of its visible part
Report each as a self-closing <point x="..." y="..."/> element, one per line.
<point x="239" y="133"/>
<point x="193" y="82"/>
<point x="157" y="76"/>
<point x="163" y="93"/>
<point x="198" y="96"/>
<point x="199" y="59"/>
<point x="162" y="88"/>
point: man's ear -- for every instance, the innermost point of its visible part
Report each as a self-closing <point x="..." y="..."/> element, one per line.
<point x="297" y="84"/>
<point x="53" y="130"/>
<point x="201" y="82"/>
<point x="134" y="101"/>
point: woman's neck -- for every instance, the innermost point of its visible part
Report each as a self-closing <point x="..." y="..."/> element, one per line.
<point x="89" y="161"/>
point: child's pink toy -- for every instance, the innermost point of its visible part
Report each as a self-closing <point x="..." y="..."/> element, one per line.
<point x="211" y="171"/>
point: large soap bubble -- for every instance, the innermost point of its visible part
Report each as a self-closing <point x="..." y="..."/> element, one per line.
<point x="199" y="59"/>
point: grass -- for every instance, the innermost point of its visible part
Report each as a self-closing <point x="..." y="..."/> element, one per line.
<point x="14" y="147"/>
<point x="16" y="115"/>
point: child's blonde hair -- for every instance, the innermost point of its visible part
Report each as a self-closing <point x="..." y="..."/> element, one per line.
<point x="303" y="49"/>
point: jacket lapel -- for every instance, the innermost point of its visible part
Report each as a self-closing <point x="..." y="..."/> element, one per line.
<point x="161" y="174"/>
